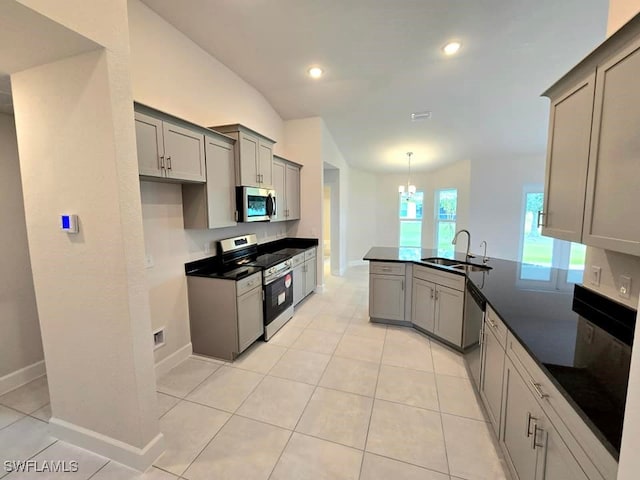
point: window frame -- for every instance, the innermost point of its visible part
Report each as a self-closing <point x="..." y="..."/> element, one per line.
<point x="402" y="220"/>
<point x="437" y="220"/>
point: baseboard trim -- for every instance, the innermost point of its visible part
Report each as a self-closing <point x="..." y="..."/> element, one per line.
<point x="138" y="458"/>
<point x="21" y="377"/>
<point x="173" y="360"/>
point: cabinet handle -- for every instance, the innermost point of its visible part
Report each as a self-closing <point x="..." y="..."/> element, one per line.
<point x="493" y="324"/>
<point x="168" y="163"/>
<point x="540" y="215"/>
<point x="436" y="294"/>
<point x="529" y="418"/>
<point x="538" y="388"/>
<point x="431" y="291"/>
<point x="402" y="285"/>
<point x="161" y="161"/>
<point x="481" y="337"/>
<point x="386" y="269"/>
<point x="257" y="178"/>
<point x="534" y="437"/>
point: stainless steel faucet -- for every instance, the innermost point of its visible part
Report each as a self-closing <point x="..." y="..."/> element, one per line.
<point x="455" y="239"/>
<point x="485" y="259"/>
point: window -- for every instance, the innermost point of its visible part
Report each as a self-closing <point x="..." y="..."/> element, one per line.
<point x="411" y="219"/>
<point x="540" y="255"/>
<point x="446" y="207"/>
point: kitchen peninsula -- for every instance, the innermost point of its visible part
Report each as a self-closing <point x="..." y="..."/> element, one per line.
<point x="551" y="359"/>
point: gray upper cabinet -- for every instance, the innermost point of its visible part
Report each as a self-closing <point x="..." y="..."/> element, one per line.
<point x="567" y="159"/>
<point x="595" y="119"/>
<point x="149" y="140"/>
<point x="292" y="191"/>
<point x="286" y="183"/>
<point x="169" y="150"/>
<point x="213" y="205"/>
<point x="614" y="167"/>
<point x="253" y="156"/>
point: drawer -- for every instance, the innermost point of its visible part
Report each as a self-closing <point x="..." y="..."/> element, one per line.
<point x="440" y="277"/>
<point x="591" y="454"/>
<point x="298" y="260"/>
<point x="249" y="283"/>
<point x="309" y="254"/>
<point x="387" y="268"/>
<point x="497" y="326"/>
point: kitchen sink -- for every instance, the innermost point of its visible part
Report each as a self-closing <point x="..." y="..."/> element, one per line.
<point x="470" y="267"/>
<point x="448" y="262"/>
<point x="457" y="264"/>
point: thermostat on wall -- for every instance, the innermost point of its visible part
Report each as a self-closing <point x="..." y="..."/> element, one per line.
<point x="69" y="223"/>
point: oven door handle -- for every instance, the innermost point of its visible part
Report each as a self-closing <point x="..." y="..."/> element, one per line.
<point x="278" y="276"/>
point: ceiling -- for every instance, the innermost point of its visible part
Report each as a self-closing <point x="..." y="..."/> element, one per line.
<point x="383" y="61"/>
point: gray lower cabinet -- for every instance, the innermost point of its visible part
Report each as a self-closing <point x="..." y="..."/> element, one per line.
<point x="448" y="314"/>
<point x="213" y="205"/>
<point x="557" y="463"/>
<point x="520" y="414"/>
<point x="250" y="320"/>
<point x="304" y="274"/>
<point x="386" y="296"/>
<point x="225" y="317"/>
<point x="493" y="356"/>
<point x="423" y="304"/>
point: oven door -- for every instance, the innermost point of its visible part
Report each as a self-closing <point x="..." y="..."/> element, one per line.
<point x="278" y="296"/>
<point x="255" y="204"/>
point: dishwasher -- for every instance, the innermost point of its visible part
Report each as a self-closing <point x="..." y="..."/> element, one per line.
<point x="474" y="311"/>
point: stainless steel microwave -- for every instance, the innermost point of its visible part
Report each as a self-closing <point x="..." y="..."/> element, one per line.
<point x="255" y="204"/>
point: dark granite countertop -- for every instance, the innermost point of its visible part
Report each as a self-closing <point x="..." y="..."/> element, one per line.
<point x="537" y="304"/>
<point x="211" y="267"/>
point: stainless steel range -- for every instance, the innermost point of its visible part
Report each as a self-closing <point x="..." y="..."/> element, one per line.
<point x="277" y="278"/>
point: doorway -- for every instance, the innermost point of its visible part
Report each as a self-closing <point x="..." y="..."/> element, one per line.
<point x="326" y="230"/>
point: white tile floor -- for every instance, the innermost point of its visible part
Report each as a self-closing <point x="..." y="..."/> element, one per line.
<point x="331" y="396"/>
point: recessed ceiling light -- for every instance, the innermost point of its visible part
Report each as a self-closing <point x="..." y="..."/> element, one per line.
<point x="451" y="48"/>
<point x="315" y="72"/>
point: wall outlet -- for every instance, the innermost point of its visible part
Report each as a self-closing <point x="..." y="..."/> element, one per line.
<point x="595" y="276"/>
<point x="158" y="338"/>
<point x="624" y="288"/>
<point x="148" y="261"/>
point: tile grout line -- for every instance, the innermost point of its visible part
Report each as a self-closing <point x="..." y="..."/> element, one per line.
<point x="373" y="403"/>
<point x="444" y="441"/>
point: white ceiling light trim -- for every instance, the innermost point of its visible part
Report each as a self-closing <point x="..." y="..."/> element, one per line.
<point x="315" y="72"/>
<point x="452" y="48"/>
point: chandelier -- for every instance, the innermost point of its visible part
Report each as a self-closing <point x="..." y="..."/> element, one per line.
<point x="410" y="189"/>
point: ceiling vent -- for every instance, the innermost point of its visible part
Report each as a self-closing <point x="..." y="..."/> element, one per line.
<point x="420" y="116"/>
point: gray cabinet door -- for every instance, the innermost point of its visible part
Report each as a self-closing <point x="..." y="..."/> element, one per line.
<point x="492" y="375"/>
<point x="221" y="184"/>
<point x="149" y="145"/>
<point x="520" y="414"/>
<point x="557" y="461"/>
<point x="248" y="161"/>
<point x="386" y="296"/>
<point x="448" y="314"/>
<point x="614" y="168"/>
<point x="279" y="173"/>
<point x="423" y="304"/>
<point x="265" y="162"/>
<point x="184" y="153"/>
<point x="293" y="191"/>
<point x="299" y="279"/>
<point x="567" y="160"/>
<point x="250" y="320"/>
<point x="310" y="276"/>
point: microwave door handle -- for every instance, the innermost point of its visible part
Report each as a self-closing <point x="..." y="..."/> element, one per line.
<point x="275" y="206"/>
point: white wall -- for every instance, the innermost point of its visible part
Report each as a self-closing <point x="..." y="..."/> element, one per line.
<point x="20" y="341"/>
<point x="496" y="203"/>
<point x="362" y="220"/>
<point x="76" y="139"/>
<point x="171" y="73"/>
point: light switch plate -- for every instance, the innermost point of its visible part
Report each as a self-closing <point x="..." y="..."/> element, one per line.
<point x="624" y="288"/>
<point x="595" y="276"/>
